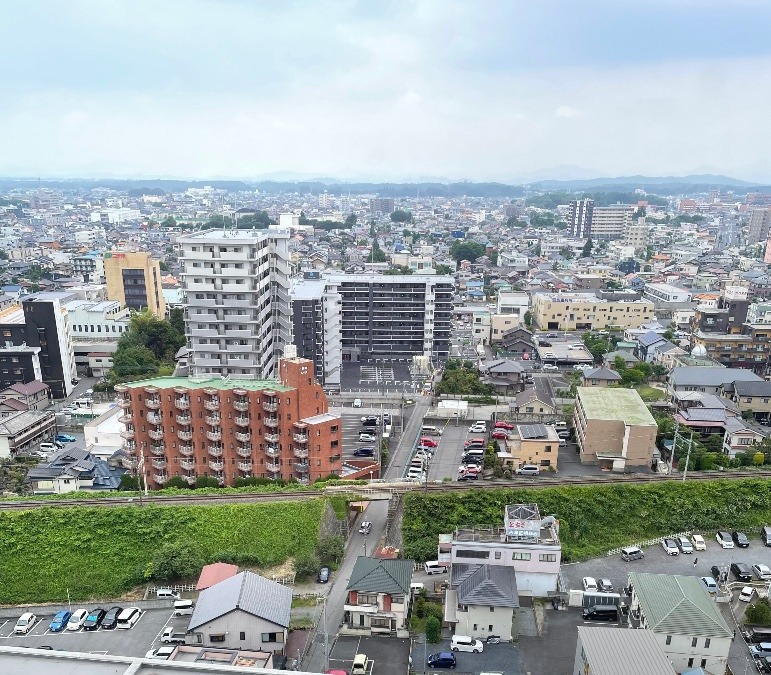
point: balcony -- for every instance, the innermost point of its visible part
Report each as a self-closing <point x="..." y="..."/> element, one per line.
<point x="271" y="422"/>
<point x="272" y="451"/>
<point x="242" y="421"/>
<point x="156" y="434"/>
<point x="244" y="438"/>
<point x="214" y="450"/>
<point x="213" y="404"/>
<point x="270" y="407"/>
<point x="153" y="404"/>
<point x="272" y="438"/>
<point x="302" y="467"/>
<point x="244" y="466"/>
<point x="182" y="403"/>
<point x="301" y="438"/>
<point x="158" y="449"/>
<point x="158" y="463"/>
<point x="187" y="464"/>
<point x="244" y="451"/>
<point x="301" y="453"/>
<point x="213" y="420"/>
<point x="129" y="462"/>
<point x="154" y="419"/>
<point x="216" y="466"/>
<point x="185" y="435"/>
<point x="126" y="418"/>
<point x="241" y="406"/>
<point x="128" y="434"/>
<point x="220" y="479"/>
<point x="184" y="419"/>
<point x="125" y="403"/>
<point x="272" y="467"/>
<point x="130" y="446"/>
<point x="214" y="435"/>
<point x="161" y="478"/>
<point x="190" y="479"/>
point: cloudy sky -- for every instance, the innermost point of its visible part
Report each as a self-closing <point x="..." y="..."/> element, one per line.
<point x="385" y="89"/>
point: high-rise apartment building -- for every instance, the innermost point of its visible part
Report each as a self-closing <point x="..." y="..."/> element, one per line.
<point x="609" y="222"/>
<point x="190" y="427"/>
<point x="636" y="234"/>
<point x="238" y="312"/>
<point x="383" y="205"/>
<point x="580" y="218"/>
<point x="134" y="280"/>
<point x="759" y="225"/>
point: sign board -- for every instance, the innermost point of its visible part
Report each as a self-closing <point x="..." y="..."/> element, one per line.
<point x="523" y="529"/>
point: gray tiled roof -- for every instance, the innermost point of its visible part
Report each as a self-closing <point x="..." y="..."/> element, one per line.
<point x="632" y="652"/>
<point x="485" y="585"/>
<point x="602" y="374"/>
<point x="762" y="388"/>
<point x="710" y="377"/>
<point x="248" y="592"/>
<point x="15" y="424"/>
<point x="381" y="576"/>
<point x="678" y="605"/>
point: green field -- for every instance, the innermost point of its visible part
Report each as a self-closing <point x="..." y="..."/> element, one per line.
<point x="99" y="552"/>
<point x="594" y="519"/>
<point x="650" y="394"/>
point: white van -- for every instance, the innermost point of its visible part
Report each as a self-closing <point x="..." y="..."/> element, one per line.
<point x="183" y="607"/>
<point x="428" y="430"/>
<point x="434" y="567"/>
<point x="128" y="617"/>
<point x="167" y="593"/>
<point x="463" y="643"/>
<point x="361" y="665"/>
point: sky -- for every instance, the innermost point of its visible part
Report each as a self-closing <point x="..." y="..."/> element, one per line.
<point x="385" y="89"/>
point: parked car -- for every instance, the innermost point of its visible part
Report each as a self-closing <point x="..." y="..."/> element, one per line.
<point x="719" y="573"/>
<point x="527" y="470"/>
<point x="365" y="527"/>
<point x="724" y="539"/>
<point x="670" y="547"/>
<point x="549" y="366"/>
<point x="427" y="442"/>
<point x="467" y="475"/>
<point x="64" y="438"/>
<point x="477" y="428"/>
<point x="110" y="620"/>
<point x="710" y="584"/>
<point x="162" y="653"/>
<point x="357" y="403"/>
<point x="604" y="586"/>
<point x="698" y="542"/>
<point x="504" y="425"/>
<point x="742" y="571"/>
<point x="563" y="433"/>
<point x="364" y="452"/>
<point x="761" y="649"/>
<point x="77" y="619"/>
<point x="441" y="660"/>
<point x="740" y="539"/>
<point x="129" y="617"/>
<point x="370" y="419"/>
<point x="367" y="438"/>
<point x="25" y="623"/>
<point x="463" y="643"/>
<point x="746" y="594"/>
<point x="323" y="576"/>
<point x="762" y="571"/>
<point x="590" y="584"/>
<point x="500" y="435"/>
<point x="51" y="447"/>
<point x="94" y="619"/>
<point x="59" y="622"/>
<point x="684" y="545"/>
<point x="631" y="553"/>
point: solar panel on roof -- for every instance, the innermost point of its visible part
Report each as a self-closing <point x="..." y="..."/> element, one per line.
<point x="533" y="431"/>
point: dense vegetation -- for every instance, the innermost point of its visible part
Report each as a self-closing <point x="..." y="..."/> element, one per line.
<point x="102" y="552"/>
<point x="461" y="377"/>
<point x="594" y="519"/>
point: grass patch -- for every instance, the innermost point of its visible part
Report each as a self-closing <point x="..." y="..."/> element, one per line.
<point x="594" y="519"/>
<point x="650" y="394"/>
<point x="98" y="553"/>
<point x="298" y="601"/>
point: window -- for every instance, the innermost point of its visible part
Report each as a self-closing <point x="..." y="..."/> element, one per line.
<point x="694" y="641"/>
<point x="468" y="553"/>
<point x="272" y="637"/>
<point x="520" y="556"/>
<point x="669" y="640"/>
<point x="547" y="557"/>
<point x="367" y="598"/>
<point x="380" y="623"/>
<point x="397" y="599"/>
<point x="706" y="646"/>
<point x="704" y="663"/>
<point x="242" y="635"/>
<point x="217" y="637"/>
<point x="497" y="555"/>
<point x="690" y="663"/>
<point x="492" y="609"/>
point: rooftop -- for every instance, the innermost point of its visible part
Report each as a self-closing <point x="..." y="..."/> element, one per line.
<point x="238" y="235"/>
<point x="622" y="405"/>
<point x="632" y="652"/>
<point x="220" y="383"/>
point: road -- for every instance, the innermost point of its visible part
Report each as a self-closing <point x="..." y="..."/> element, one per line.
<point x="400" y="455"/>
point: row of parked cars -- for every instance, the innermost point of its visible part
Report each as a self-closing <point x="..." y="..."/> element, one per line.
<point x="89" y="620"/>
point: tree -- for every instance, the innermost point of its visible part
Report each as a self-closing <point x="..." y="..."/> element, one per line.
<point x="134" y="361"/>
<point x="586" y="251"/>
<point x="177" y="319"/>
<point x="466" y="250"/>
<point x="158" y="335"/>
<point x="168" y="221"/>
<point x="176" y="561"/>
<point x="433" y="630"/>
<point x="206" y="482"/>
<point x="129" y="483"/>
<point x="306" y="565"/>
<point x="377" y="253"/>
<point x="444" y="269"/>
<point x="163" y="266"/>
<point x="528" y="319"/>
<point x="350" y="221"/>
<point x="759" y="613"/>
<point x="566" y="253"/>
<point x="176" y="482"/>
<point x="331" y="548"/>
<point x="494" y="257"/>
<point x="400" y="216"/>
<point x="513" y="221"/>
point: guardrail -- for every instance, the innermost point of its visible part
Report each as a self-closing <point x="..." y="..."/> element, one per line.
<point x="650" y="542"/>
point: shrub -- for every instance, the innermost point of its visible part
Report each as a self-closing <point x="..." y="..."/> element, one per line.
<point x="331" y="548"/>
<point x="176" y="561"/>
<point x="433" y="630"/>
<point x="306" y="565"/>
<point x="759" y="613"/>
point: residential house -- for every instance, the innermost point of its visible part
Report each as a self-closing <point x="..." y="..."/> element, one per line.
<point x="751" y="397"/>
<point x="705" y="379"/>
<point x="687" y="624"/>
<point x="530" y="444"/>
<point x="600" y="377"/>
<point x="379" y="596"/>
<point x="25" y="431"/>
<point x="630" y="360"/>
<point x="533" y="405"/>
<point x="648" y="345"/>
<point x="245" y="611"/>
<point x="609" y="651"/>
<point x="739" y="437"/>
<point x="33" y="395"/>
<point x="517" y="341"/>
<point x="506" y="376"/>
<point x="73" y="470"/>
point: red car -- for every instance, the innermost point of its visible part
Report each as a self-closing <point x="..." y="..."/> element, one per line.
<point x="504" y="425"/>
<point x="499" y="435"/>
<point x="428" y="442"/>
<point x="475" y="441"/>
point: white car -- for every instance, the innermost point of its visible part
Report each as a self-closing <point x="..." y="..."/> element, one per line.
<point x="549" y="366"/>
<point x="746" y="594"/>
<point x="477" y="428"/>
<point x="724" y="539"/>
<point x="762" y="571"/>
<point x="160" y="653"/>
<point x="698" y="542"/>
<point x="77" y="619"/>
<point x="25" y="623"/>
<point x="590" y="584"/>
<point x="369" y="438"/>
<point x="710" y="584"/>
<point x="670" y="547"/>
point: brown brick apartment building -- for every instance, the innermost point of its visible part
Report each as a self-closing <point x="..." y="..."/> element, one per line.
<point x="193" y="427"/>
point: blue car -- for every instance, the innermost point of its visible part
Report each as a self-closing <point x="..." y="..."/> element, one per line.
<point x="59" y="622"/>
<point x="65" y="438"/>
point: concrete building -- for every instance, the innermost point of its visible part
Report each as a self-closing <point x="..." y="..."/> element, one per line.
<point x="610" y="222"/>
<point x="25" y="431"/>
<point x="666" y="293"/>
<point x="609" y="651"/>
<point x="105" y="320"/>
<point x="245" y="611"/>
<point x="683" y="617"/>
<point x="381" y="205"/>
<point x="580" y="218"/>
<point x="134" y="280"/>
<point x="636" y="234"/>
<point x="238" y="311"/>
<point x="614" y="428"/>
<point x="378" y="596"/>
<point x="500" y="324"/>
<point x="530" y="444"/>
<point x="585" y="311"/>
<point x="509" y="302"/>
<point x="759" y="226"/>
<point x="193" y="427"/>
<point x="90" y="267"/>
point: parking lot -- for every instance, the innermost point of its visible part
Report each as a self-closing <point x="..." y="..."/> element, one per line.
<point x="387" y="654"/>
<point x="136" y="641"/>
<point x="352" y="425"/>
<point x="380" y="375"/>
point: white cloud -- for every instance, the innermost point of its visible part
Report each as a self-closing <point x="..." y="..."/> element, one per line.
<point x="566" y="112"/>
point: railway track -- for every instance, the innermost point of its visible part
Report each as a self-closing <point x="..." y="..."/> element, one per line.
<point x="531" y="482"/>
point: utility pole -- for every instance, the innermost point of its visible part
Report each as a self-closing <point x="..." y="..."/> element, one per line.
<point x="688" y="456"/>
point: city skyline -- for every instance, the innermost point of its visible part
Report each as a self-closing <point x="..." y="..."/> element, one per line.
<point x="511" y="92"/>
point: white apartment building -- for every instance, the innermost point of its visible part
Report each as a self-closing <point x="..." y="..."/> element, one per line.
<point x="418" y="263"/>
<point x="101" y="320"/>
<point x="88" y="236"/>
<point x="112" y="216"/>
<point x="513" y="303"/>
<point x="238" y="312"/>
<point x="609" y="222"/>
<point x="636" y="234"/>
<point x="662" y="293"/>
<point x="89" y="267"/>
<point x="513" y="260"/>
<point x="759" y="312"/>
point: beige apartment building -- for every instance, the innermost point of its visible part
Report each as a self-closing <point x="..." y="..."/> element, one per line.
<point x="614" y="428"/>
<point x="636" y="234"/>
<point x="134" y="280"/>
<point x="585" y="311"/>
<point x="609" y="222"/>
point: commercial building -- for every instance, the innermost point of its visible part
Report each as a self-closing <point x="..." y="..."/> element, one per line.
<point x="580" y="218"/>
<point x="238" y="312"/>
<point x="610" y="222"/>
<point x="586" y="311"/>
<point x="134" y="280"/>
<point x="101" y="320"/>
<point x="613" y="428"/>
<point x="759" y="226"/>
<point x="192" y="427"/>
<point x="666" y="293"/>
<point x="609" y="651"/>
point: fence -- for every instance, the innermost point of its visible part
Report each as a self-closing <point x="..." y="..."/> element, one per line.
<point x="651" y="542"/>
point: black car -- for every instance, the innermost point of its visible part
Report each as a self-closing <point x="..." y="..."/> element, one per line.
<point x="94" y="619"/>
<point x="719" y="574"/>
<point x="364" y="452"/>
<point x="386" y="418"/>
<point x="110" y="620"/>
<point x="369" y="421"/>
<point x="740" y="539"/>
<point x="323" y="576"/>
<point x="442" y="660"/>
<point x="604" y="586"/>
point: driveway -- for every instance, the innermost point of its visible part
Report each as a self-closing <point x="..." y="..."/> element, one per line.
<point x="387" y="655"/>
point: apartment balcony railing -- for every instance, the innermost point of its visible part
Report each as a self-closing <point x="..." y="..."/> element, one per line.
<point x="220" y="479"/>
<point x="125" y="403"/>
<point x="271" y="422"/>
<point x="302" y="467"/>
<point x="187" y="464"/>
<point x="272" y="438"/>
<point x="128" y="434"/>
<point x="216" y="466"/>
<point x="130" y="446"/>
<point x="182" y="403"/>
<point x="242" y="421"/>
<point x="272" y="467"/>
<point x="185" y="435"/>
<point x="190" y="479"/>
<point x="153" y="403"/>
<point x="161" y="478"/>
<point x="213" y="420"/>
<point x="186" y="450"/>
<point x="129" y="462"/>
<point x="244" y="466"/>
<point x="154" y="419"/>
<point x="301" y="438"/>
<point x="213" y="404"/>
<point x="158" y="449"/>
<point x="184" y="419"/>
<point x="244" y="451"/>
<point x="272" y="451"/>
<point x="158" y="463"/>
<point x="155" y="434"/>
<point x="269" y="406"/>
<point x="214" y="435"/>
<point x="301" y="453"/>
<point x="243" y="437"/>
<point x="241" y="406"/>
<point x="214" y="450"/>
<point x="126" y="418"/>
